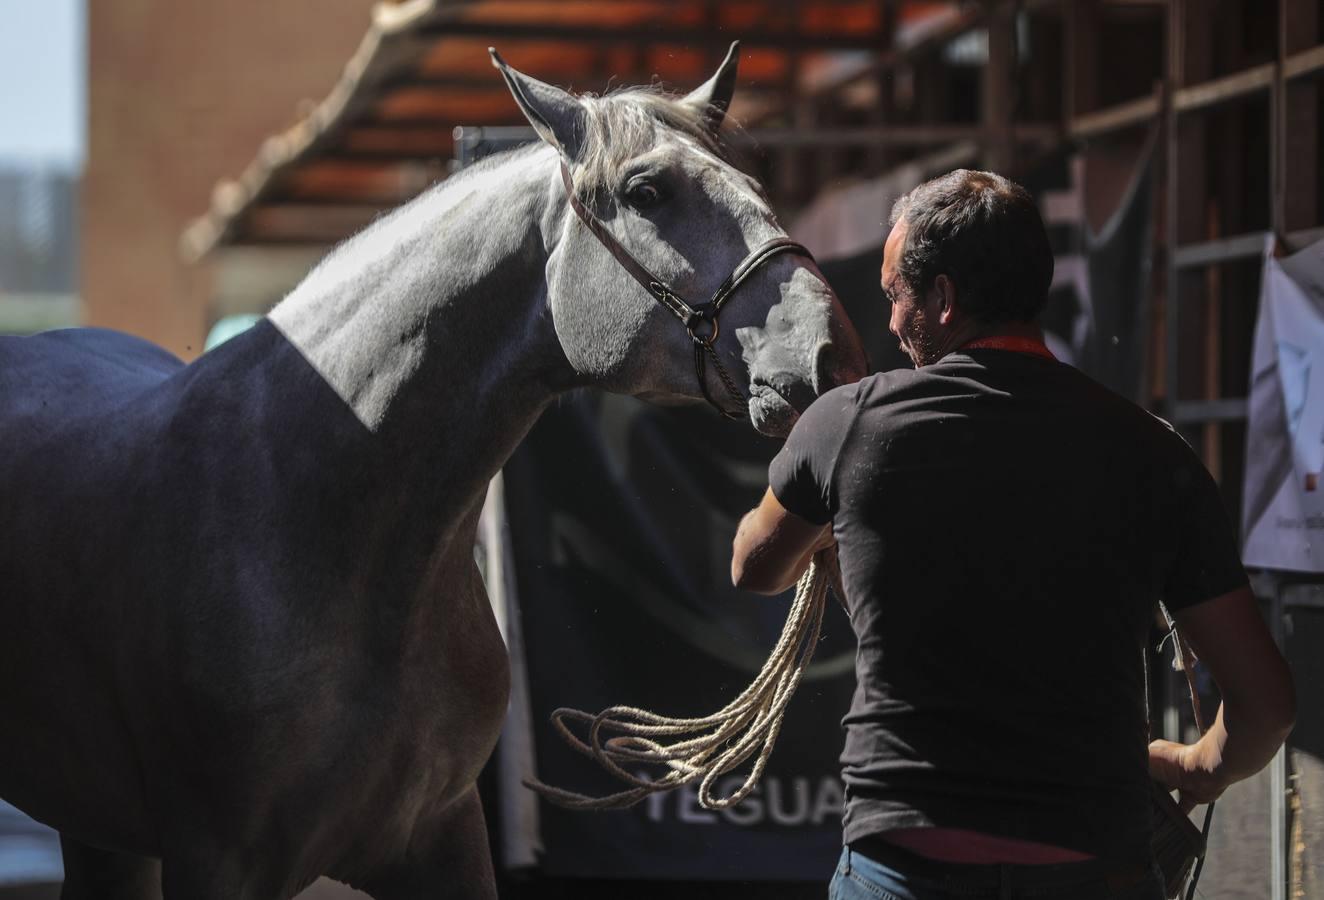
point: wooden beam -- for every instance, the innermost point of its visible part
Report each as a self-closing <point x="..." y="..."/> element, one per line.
<point x="1223" y="90"/>
<point x="997" y="84"/>
<point x="1238" y="247"/>
<point x="599" y="80"/>
<point x="1199" y="412"/>
<point x="393" y="142"/>
<point x="1221" y="250"/>
<point x="305" y="223"/>
<point x="1080" y="33"/>
<point x="895" y="136"/>
<point x="1044" y="135"/>
<point x="1306" y="64"/>
<point x="649" y="34"/>
<point x="1115" y="118"/>
<point x="887" y="58"/>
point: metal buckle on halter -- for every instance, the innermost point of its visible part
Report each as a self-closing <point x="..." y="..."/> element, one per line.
<point x="703" y="313"/>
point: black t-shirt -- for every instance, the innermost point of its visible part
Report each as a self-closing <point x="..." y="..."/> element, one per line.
<point x="1005" y="526"/>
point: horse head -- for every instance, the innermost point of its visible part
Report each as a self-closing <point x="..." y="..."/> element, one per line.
<point x="659" y="223"/>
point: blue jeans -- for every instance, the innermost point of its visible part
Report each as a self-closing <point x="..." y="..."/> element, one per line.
<point x="904" y="876"/>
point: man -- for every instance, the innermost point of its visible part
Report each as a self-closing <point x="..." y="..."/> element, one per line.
<point x="1004" y="528"/>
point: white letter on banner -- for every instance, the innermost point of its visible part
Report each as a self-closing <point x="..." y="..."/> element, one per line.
<point x="800" y="787"/>
<point x="655" y="802"/>
<point x="748" y="811"/>
<point x="689" y="811"/>
<point x="830" y="801"/>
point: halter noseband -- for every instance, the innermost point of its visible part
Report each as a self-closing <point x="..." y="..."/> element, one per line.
<point x="700" y="319"/>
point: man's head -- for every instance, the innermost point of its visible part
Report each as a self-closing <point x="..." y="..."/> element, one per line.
<point x="967" y="254"/>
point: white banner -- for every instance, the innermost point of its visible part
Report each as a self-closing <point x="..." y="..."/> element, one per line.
<point x="1283" y="512"/>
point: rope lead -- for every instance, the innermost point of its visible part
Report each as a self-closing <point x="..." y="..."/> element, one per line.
<point x="702" y="749"/>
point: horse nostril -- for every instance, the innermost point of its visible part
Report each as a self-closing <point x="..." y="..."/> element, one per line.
<point x="835" y="365"/>
<point x="795" y="391"/>
<point x="825" y="372"/>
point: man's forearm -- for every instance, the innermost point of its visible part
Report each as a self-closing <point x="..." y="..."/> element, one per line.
<point x="774" y="575"/>
<point x="1259" y="699"/>
<point x="1229" y="752"/>
<point x="762" y="565"/>
<point x="1241" y="741"/>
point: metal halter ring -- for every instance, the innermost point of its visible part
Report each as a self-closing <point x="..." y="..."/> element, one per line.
<point x="703" y="313"/>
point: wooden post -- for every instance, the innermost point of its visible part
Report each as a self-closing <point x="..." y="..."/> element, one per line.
<point x="997" y="85"/>
<point x="1081" y="60"/>
<point x="1176" y="46"/>
<point x="787" y="159"/>
<point x="883" y="111"/>
<point x="1299" y="29"/>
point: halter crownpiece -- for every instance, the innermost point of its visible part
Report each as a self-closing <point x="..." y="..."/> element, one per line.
<point x="700" y="319"/>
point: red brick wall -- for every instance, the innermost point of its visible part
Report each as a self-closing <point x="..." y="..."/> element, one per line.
<point x="180" y="95"/>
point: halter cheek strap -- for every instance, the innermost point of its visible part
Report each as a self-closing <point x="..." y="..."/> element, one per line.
<point x="700" y="319"/>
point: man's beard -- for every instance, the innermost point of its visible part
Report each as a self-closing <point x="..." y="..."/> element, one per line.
<point x="920" y="344"/>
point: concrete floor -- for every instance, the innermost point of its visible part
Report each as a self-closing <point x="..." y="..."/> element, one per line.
<point x="31" y="892"/>
<point x="325" y="889"/>
<point x="32" y="851"/>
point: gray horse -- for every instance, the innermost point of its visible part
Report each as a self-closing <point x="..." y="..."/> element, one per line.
<point x="244" y="640"/>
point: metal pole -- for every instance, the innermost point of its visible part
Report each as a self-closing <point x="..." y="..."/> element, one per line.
<point x="1176" y="53"/>
<point x="1173" y="77"/>
<point x="1278" y="830"/>
<point x="1278" y="776"/>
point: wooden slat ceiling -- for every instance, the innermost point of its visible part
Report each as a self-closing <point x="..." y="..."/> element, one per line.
<point x="386" y="130"/>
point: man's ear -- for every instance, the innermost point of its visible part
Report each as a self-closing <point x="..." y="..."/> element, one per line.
<point x="943" y="294"/>
<point x="713" y="97"/>
<point x="554" y="114"/>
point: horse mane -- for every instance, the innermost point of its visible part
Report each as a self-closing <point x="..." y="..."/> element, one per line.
<point x="624" y="123"/>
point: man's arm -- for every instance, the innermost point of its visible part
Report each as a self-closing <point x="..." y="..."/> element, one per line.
<point x="773" y="547"/>
<point x="1259" y="701"/>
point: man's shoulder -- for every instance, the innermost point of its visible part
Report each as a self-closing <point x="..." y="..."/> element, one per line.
<point x="883" y="386"/>
<point x="871" y="390"/>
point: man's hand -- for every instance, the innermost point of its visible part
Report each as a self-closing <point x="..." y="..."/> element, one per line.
<point x="1179" y="767"/>
<point x="774" y="546"/>
<point x="1258" y="708"/>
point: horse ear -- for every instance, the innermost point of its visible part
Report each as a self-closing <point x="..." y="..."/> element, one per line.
<point x="554" y="114"/>
<point x="713" y="97"/>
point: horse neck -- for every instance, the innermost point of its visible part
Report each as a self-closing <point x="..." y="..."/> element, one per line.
<point x="432" y="327"/>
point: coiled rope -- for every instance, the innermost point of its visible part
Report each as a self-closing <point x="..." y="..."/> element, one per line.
<point x="702" y="749"/>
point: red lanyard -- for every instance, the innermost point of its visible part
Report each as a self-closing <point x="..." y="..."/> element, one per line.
<point x="1032" y="346"/>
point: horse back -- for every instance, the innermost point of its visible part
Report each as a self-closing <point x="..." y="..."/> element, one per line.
<point x="73" y="372"/>
<point x="70" y="418"/>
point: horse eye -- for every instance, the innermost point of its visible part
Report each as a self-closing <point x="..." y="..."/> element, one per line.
<point x="643" y="195"/>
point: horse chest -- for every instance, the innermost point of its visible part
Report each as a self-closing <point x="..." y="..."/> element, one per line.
<point x="447" y="701"/>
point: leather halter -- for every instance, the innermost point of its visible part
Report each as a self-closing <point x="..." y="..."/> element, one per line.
<point x="700" y="319"/>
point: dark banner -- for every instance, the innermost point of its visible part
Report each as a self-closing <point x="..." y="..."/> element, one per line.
<point x="621" y="518"/>
<point x="1097" y="313"/>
